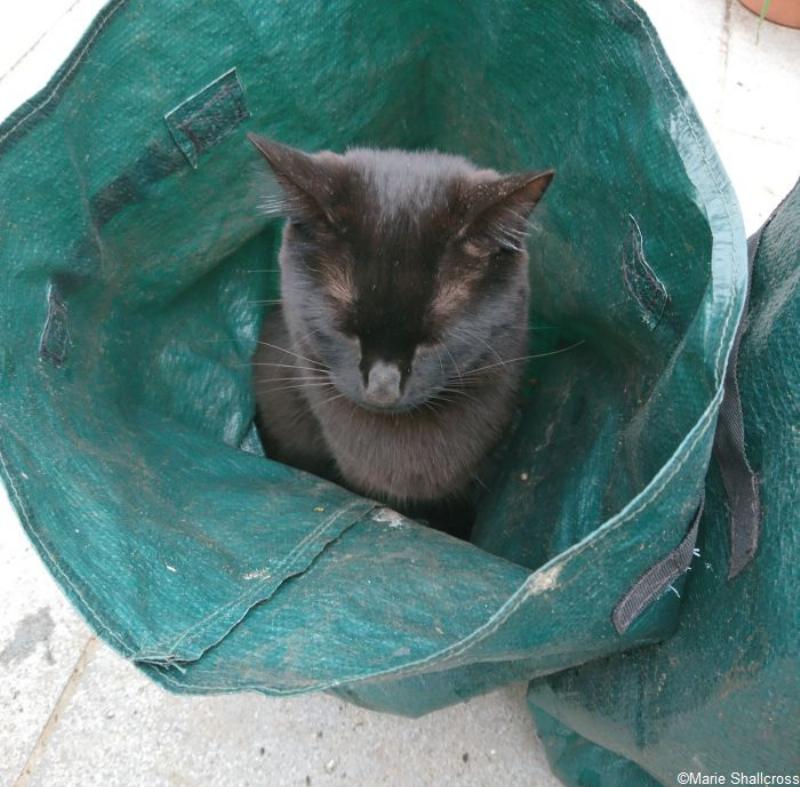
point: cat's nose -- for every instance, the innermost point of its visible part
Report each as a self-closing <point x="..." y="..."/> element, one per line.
<point x="383" y="384"/>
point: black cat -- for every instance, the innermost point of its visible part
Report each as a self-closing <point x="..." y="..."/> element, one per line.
<point x="394" y="363"/>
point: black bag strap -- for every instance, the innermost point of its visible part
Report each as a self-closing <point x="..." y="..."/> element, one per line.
<point x="738" y="477"/>
<point x="740" y="481"/>
<point x="658" y="578"/>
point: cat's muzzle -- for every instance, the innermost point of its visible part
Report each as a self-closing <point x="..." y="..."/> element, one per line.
<point x="383" y="385"/>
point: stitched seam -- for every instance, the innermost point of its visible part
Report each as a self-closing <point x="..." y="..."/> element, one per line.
<point x="711" y="409"/>
<point x="22" y="507"/>
<point x="23" y="510"/>
<point x="301" y="545"/>
<point x="713" y="171"/>
<point x="455" y="650"/>
<point x="221" y="93"/>
<point x="76" y="62"/>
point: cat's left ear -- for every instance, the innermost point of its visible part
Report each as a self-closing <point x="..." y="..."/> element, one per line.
<point x="498" y="208"/>
<point x="309" y="181"/>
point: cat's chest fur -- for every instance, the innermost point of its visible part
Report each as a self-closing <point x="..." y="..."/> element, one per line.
<point x="423" y="456"/>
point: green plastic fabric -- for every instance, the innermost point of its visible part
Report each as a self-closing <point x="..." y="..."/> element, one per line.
<point x="132" y="258"/>
<point x="723" y="694"/>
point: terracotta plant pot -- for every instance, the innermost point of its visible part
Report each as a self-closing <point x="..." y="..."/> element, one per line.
<point x="782" y="12"/>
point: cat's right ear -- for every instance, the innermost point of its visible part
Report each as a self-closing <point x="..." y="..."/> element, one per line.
<point x="496" y="209"/>
<point x="309" y="182"/>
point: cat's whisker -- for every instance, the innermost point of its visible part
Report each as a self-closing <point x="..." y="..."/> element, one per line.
<point x="441" y="362"/>
<point x="511" y="212"/>
<point x="286" y="366"/>
<point x="278" y="206"/>
<point x="289" y="352"/>
<point x="511" y="245"/>
<point x="445" y="395"/>
<point x="473" y="372"/>
<point x="299" y="386"/>
<point x="511" y="223"/>
<point x="460" y="392"/>
<point x="467" y="382"/>
<point x="331" y="399"/>
<point x="447" y="350"/>
<point x="474" y="335"/>
<point x="265" y="384"/>
<point x="265" y="302"/>
<point x="477" y="478"/>
<point x="271" y="211"/>
<point x="504" y="231"/>
<point x="312" y="332"/>
<point x="519" y="232"/>
<point x="532" y="328"/>
<point x="522" y="217"/>
<point x="306" y="379"/>
<point x="431" y="406"/>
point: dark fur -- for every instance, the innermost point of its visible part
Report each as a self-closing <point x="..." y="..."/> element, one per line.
<point x="403" y="275"/>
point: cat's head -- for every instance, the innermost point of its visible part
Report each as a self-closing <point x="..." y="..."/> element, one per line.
<point x="404" y="274"/>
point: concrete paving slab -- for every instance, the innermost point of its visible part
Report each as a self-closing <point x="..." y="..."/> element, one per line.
<point x="778" y="163"/>
<point x="761" y="94"/>
<point x="41" y="638"/>
<point x="759" y="135"/>
<point x="35" y="39"/>
<point x="695" y="35"/>
<point x="121" y="729"/>
<point x="745" y="81"/>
